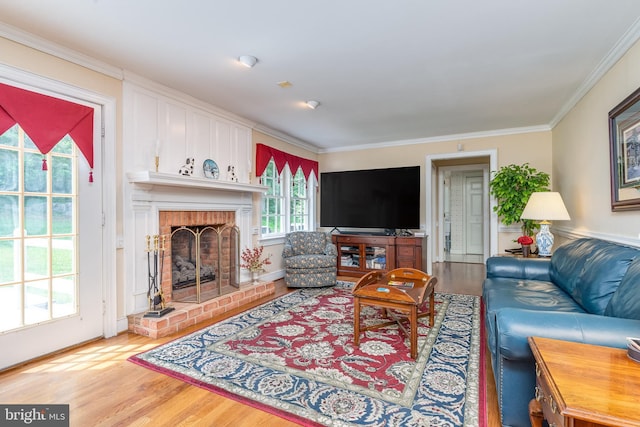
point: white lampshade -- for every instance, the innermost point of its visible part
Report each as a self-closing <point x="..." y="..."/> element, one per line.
<point x="545" y="206"/>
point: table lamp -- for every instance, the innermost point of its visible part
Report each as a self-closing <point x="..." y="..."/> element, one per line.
<point x="543" y="207"/>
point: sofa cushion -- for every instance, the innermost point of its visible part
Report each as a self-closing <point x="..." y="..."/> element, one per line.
<point x="527" y="294"/>
<point x="568" y="261"/>
<point x="601" y="276"/>
<point x="625" y="302"/>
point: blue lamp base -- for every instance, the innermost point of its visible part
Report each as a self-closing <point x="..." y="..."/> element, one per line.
<point x="544" y="240"/>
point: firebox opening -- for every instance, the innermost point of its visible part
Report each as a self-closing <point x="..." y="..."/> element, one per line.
<point x="204" y="261"/>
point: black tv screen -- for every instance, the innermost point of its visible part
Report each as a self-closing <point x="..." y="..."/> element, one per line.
<point x="374" y="198"/>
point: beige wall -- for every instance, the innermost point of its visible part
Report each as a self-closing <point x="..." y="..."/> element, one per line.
<point x="581" y="167"/>
<point x="42" y="64"/>
<point x="533" y="148"/>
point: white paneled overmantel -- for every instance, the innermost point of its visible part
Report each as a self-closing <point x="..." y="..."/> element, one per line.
<point x="173" y="127"/>
<point x="159" y="124"/>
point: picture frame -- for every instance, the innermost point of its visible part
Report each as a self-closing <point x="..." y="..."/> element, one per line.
<point x="624" y="146"/>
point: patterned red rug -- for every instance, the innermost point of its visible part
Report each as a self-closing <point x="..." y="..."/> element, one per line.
<point x="295" y="357"/>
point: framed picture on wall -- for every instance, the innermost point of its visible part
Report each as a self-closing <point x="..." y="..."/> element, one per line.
<point x="624" y="146"/>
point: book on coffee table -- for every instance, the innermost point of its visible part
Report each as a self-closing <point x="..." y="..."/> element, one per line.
<point x="400" y="285"/>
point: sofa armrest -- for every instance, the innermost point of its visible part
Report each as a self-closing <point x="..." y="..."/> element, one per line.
<point x="519" y="268"/>
<point x="514" y="325"/>
<point x="331" y="249"/>
<point x="287" y="250"/>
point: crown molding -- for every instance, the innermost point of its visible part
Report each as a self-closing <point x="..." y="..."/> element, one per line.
<point x="54" y="49"/>
<point x="443" y="138"/>
<point x="628" y="39"/>
<point x="286" y="138"/>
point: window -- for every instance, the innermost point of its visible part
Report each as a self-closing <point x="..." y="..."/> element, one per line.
<point x="299" y="215"/>
<point x="38" y="232"/>
<point x="272" y="202"/>
<point x="288" y="204"/>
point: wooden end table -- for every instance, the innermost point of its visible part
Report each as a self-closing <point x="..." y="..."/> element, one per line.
<point x="584" y="385"/>
<point x="374" y="289"/>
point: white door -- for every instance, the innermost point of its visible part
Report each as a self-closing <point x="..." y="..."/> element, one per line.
<point x="474" y="215"/>
<point x="80" y="316"/>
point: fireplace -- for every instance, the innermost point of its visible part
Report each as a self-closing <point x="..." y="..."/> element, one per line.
<point x="161" y="203"/>
<point x="204" y="261"/>
<point x="202" y="258"/>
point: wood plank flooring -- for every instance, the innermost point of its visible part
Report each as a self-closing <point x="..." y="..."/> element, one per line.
<point x="103" y="389"/>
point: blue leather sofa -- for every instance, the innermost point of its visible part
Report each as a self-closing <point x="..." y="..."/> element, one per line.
<point x="589" y="292"/>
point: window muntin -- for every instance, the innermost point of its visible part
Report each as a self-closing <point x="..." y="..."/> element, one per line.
<point x="273" y="202"/>
<point x="38" y="232"/>
<point x="299" y="216"/>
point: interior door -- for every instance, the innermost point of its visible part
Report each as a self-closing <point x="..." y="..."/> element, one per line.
<point x="474" y="214"/>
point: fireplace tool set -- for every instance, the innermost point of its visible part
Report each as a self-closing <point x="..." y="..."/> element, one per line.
<point x="155" y="252"/>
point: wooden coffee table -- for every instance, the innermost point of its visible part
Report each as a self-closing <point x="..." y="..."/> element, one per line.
<point x="374" y="289"/>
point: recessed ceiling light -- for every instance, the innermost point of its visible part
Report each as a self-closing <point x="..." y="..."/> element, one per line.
<point x="313" y="104"/>
<point x="248" y="60"/>
<point x="284" y="84"/>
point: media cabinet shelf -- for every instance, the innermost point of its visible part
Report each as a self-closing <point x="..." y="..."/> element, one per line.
<point x="358" y="254"/>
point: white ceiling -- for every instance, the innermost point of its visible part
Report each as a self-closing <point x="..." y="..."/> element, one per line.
<point x="383" y="70"/>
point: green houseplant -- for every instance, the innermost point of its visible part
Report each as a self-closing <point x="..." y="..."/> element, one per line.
<point x="512" y="186"/>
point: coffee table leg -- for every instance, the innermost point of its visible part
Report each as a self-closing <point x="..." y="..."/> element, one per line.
<point x="356" y="321"/>
<point x="413" y="324"/>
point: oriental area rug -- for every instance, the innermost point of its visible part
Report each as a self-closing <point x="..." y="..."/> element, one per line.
<point x="295" y="357"/>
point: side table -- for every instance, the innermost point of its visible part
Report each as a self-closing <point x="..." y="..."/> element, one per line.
<point x="583" y="385"/>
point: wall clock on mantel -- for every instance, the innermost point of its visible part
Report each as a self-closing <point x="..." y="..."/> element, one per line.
<point x="211" y="169"/>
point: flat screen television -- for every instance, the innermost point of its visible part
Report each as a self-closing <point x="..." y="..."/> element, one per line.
<point x="373" y="198"/>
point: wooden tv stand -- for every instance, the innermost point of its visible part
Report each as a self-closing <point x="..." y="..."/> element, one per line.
<point x="360" y="253"/>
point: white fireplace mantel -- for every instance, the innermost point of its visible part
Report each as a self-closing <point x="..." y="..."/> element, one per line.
<point x="147" y="180"/>
<point x="149" y="193"/>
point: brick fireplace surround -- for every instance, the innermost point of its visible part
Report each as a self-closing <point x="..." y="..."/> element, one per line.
<point x="188" y="314"/>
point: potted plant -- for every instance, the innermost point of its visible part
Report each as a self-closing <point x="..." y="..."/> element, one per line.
<point x="251" y="259"/>
<point x="512" y="186"/>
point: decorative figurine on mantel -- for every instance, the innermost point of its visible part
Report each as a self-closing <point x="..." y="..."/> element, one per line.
<point x="231" y="174"/>
<point x="187" y="168"/>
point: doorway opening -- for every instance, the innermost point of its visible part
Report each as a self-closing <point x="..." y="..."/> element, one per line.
<point x="461" y="224"/>
<point x="462" y="213"/>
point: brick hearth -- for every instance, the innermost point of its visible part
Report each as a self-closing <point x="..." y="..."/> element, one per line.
<point x="188" y="314"/>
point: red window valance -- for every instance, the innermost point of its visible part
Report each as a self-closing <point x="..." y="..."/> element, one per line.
<point x="47" y="119"/>
<point x="264" y="153"/>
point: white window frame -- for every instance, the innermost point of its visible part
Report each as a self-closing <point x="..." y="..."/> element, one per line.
<point x="285" y="183"/>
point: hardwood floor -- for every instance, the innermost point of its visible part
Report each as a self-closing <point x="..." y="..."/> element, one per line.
<point x="103" y="389"/>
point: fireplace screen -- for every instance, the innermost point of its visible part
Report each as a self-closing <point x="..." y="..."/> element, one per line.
<point x="205" y="262"/>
